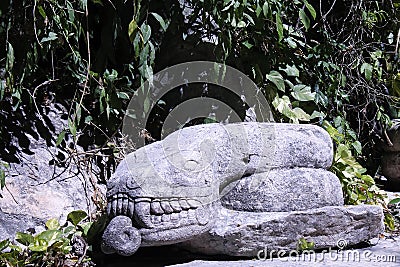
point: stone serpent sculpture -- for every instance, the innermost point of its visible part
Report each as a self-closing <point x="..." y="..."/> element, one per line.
<point x="172" y="190"/>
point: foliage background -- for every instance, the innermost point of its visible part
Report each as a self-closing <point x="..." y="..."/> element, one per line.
<point x="333" y="63"/>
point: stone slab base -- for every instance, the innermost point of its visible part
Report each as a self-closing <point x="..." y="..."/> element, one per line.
<point x="238" y="233"/>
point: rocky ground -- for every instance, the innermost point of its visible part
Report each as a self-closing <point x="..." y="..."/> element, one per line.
<point x="384" y="252"/>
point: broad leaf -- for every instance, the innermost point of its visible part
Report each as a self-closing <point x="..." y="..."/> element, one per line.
<point x="4" y="244"/>
<point x="291" y="70"/>
<point x="52" y="224"/>
<point x="60" y="137"/>
<point x="279" y="26"/>
<point x="162" y="22"/>
<point x="72" y="127"/>
<point x="304" y="19"/>
<point x="317" y="114"/>
<point x="265" y="9"/>
<point x="301" y="114"/>
<point x="76" y="216"/>
<point x="277" y="79"/>
<point x="132" y="29"/>
<point x="310" y="9"/>
<point x="48" y="237"/>
<point x="52" y="36"/>
<point x="146" y="32"/>
<point x="302" y="92"/>
<point x="394" y="201"/>
<point x="24" y="238"/>
<point x="367" y="70"/>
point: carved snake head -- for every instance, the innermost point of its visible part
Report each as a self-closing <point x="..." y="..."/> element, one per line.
<point x="168" y="188"/>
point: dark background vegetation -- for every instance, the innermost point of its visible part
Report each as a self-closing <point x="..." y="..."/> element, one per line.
<point x="333" y="63"/>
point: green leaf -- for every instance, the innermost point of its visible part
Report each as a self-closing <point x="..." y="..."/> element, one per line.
<point x="52" y="224"/>
<point x="303" y="93"/>
<point x="265" y="9"/>
<point x="48" y="237"/>
<point x="368" y="179"/>
<point x="88" y="119"/>
<point x="391" y="202"/>
<point x="72" y="127"/>
<point x="304" y="19"/>
<point x="389" y="221"/>
<point x="291" y="70"/>
<point x="258" y="10"/>
<point x="41" y="11"/>
<point x="146" y="32"/>
<point x="100" y="2"/>
<point x="241" y="24"/>
<point x="85" y="227"/>
<point x="317" y="114"/>
<point x="4" y="244"/>
<point x="24" y="239"/>
<point x="301" y="114"/>
<point x="163" y="25"/>
<point x="247" y="44"/>
<point x="357" y="146"/>
<point x="52" y="36"/>
<point x="122" y="95"/>
<point x="2" y="179"/>
<point x="367" y="70"/>
<point x="60" y="137"/>
<point x="277" y="79"/>
<point x="132" y="29"/>
<point x="69" y="230"/>
<point x="279" y="26"/>
<point x="249" y="18"/>
<point x="76" y="216"/>
<point x="291" y="42"/>
<point x="38" y="248"/>
<point x="310" y="9"/>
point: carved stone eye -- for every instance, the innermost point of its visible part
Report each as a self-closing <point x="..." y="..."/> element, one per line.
<point x="191" y="165"/>
<point x="141" y="174"/>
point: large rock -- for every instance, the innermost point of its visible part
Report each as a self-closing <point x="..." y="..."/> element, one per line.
<point x="285" y="190"/>
<point x="37" y="190"/>
<point x="239" y="233"/>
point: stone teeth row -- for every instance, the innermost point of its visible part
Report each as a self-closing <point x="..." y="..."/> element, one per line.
<point x="183" y="217"/>
<point x="121" y="204"/>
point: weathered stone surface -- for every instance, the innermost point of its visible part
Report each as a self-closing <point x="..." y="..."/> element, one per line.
<point x="239" y="233"/>
<point x="251" y="146"/>
<point x="37" y="191"/>
<point x="285" y="190"/>
<point x="12" y="223"/>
